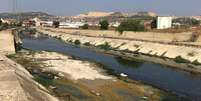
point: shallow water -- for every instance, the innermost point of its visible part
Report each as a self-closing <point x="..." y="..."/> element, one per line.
<point x="63" y="89"/>
<point x="161" y="76"/>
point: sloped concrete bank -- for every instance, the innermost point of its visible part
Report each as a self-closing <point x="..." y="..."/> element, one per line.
<point x="7" y="42"/>
<point x="149" y="36"/>
<point x="16" y="84"/>
<point x="191" y="56"/>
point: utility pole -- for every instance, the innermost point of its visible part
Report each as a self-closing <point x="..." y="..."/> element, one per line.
<point x="14" y="4"/>
<point x="15" y="10"/>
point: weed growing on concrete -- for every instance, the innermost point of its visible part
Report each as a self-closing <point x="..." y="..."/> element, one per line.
<point x="105" y="46"/>
<point x="191" y="54"/>
<point x="77" y="42"/>
<point x="163" y="55"/>
<point x="196" y="62"/>
<point x="87" y="44"/>
<point x="179" y="59"/>
<point x="136" y="46"/>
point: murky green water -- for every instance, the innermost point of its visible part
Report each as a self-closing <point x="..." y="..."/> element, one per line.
<point x="163" y="77"/>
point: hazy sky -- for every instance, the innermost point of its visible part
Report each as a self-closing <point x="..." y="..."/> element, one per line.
<point x="74" y="7"/>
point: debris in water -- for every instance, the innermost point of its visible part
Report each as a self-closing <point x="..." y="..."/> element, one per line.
<point x="123" y="75"/>
<point x="95" y="93"/>
<point x="52" y="87"/>
<point x="144" y="98"/>
<point x="56" y="77"/>
<point x="60" y="74"/>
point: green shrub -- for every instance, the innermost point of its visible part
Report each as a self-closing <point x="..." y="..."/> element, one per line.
<point x="195" y="22"/>
<point x="70" y="41"/>
<point x="104" y="24"/>
<point x="194" y="37"/>
<point x="77" y="42"/>
<point x="191" y="54"/>
<point x="56" y="24"/>
<point x="131" y="25"/>
<point x="87" y="44"/>
<point x="85" y="26"/>
<point x="59" y="38"/>
<point x="1" y="22"/>
<point x="196" y="62"/>
<point x="105" y="46"/>
<point x="179" y="59"/>
<point x="136" y="46"/>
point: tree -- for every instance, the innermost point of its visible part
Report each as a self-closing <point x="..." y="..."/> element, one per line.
<point x="131" y="25"/>
<point x="1" y="22"/>
<point x="154" y="24"/>
<point x="194" y="36"/>
<point x="17" y="24"/>
<point x="195" y="22"/>
<point x="186" y="21"/>
<point x="56" y="24"/>
<point x="104" y="25"/>
<point x="5" y="25"/>
<point x="85" y="26"/>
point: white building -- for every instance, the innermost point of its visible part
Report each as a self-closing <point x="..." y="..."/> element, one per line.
<point x="5" y="21"/>
<point x="70" y="24"/>
<point x="37" y="21"/>
<point x="164" y="22"/>
<point x="46" y="23"/>
<point x="114" y="24"/>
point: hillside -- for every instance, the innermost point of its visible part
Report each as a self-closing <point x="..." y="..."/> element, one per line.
<point x="25" y="15"/>
<point x="94" y="14"/>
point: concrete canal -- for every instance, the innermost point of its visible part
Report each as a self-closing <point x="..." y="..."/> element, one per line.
<point x="177" y="82"/>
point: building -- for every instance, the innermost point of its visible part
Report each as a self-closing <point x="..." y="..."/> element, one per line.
<point x="8" y="21"/>
<point x="114" y="24"/>
<point x="164" y="22"/>
<point x="37" y="21"/>
<point x="28" y="23"/>
<point x="46" y="23"/>
<point x="70" y="24"/>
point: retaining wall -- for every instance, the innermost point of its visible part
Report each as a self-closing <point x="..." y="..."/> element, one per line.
<point x="155" y="49"/>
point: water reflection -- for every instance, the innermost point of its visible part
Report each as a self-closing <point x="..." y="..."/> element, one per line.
<point x="134" y="63"/>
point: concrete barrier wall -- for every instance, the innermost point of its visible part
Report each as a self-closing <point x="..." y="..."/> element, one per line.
<point x="17" y="84"/>
<point x="151" y="36"/>
<point x="7" y="45"/>
<point x="149" y="48"/>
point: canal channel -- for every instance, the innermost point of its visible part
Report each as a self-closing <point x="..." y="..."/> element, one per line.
<point x="157" y="75"/>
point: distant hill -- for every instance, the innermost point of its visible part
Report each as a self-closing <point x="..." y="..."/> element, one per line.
<point x="94" y="14"/>
<point x="114" y="14"/>
<point x="89" y="17"/>
<point x="26" y="15"/>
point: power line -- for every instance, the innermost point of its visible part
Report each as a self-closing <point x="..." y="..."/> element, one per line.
<point x="14" y="10"/>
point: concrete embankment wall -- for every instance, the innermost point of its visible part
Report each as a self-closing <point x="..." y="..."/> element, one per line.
<point x="16" y="83"/>
<point x="155" y="49"/>
<point x="7" y="42"/>
<point x="150" y="36"/>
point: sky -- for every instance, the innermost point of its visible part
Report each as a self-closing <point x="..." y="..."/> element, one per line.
<point x="75" y="7"/>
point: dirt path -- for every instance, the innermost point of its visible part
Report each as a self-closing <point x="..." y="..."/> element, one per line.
<point x="6" y="42"/>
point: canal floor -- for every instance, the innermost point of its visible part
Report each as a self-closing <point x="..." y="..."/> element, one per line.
<point x="161" y="76"/>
